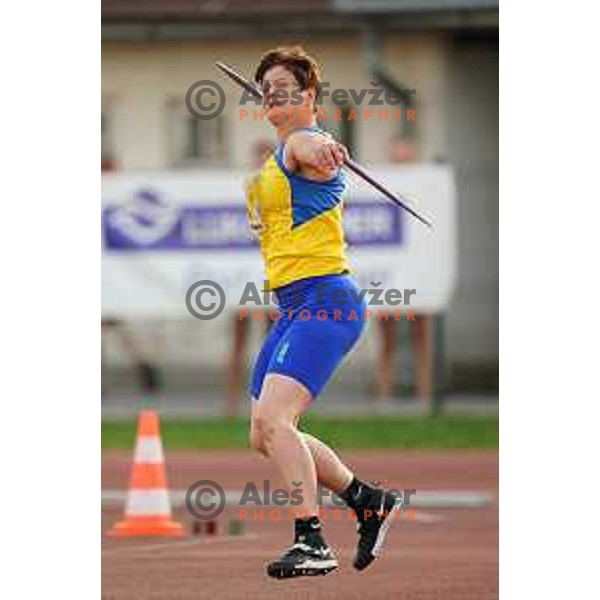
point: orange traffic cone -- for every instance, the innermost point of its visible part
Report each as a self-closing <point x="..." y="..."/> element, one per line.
<point x="148" y="510"/>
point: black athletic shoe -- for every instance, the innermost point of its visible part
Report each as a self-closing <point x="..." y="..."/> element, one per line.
<point x="303" y="559"/>
<point x="373" y="528"/>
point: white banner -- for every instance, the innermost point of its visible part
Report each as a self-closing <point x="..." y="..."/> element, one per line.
<point x="164" y="231"/>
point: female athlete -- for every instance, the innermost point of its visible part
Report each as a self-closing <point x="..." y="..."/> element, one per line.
<point x="295" y="205"/>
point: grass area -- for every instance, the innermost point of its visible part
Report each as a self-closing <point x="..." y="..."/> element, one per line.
<point x="341" y="433"/>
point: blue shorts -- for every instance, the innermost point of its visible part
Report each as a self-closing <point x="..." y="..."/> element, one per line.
<point x="321" y="319"/>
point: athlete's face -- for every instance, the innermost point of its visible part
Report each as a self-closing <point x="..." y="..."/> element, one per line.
<point x="283" y="100"/>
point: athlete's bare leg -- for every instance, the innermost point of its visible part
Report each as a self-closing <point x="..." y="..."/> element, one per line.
<point x="331" y="471"/>
<point x="300" y="457"/>
<point x="274" y="417"/>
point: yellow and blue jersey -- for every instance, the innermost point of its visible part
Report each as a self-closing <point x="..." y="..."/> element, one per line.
<point x="299" y="222"/>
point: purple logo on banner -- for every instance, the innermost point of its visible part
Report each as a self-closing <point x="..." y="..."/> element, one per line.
<point x="148" y="222"/>
<point x="373" y="223"/>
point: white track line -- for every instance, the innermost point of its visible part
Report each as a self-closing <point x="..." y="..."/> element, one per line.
<point x="169" y="544"/>
<point x="426" y="518"/>
<point x="425" y="499"/>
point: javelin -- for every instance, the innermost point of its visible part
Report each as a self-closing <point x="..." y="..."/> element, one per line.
<point x="348" y="163"/>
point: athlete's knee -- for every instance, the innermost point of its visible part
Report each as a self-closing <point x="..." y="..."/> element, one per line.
<point x="256" y="441"/>
<point x="269" y="428"/>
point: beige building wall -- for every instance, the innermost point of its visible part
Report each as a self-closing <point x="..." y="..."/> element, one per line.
<point x="138" y="79"/>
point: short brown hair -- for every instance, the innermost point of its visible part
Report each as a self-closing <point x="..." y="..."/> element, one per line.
<point x="304" y="67"/>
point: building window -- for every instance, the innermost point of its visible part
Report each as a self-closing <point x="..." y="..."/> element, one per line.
<point x="194" y="141"/>
<point x="343" y="129"/>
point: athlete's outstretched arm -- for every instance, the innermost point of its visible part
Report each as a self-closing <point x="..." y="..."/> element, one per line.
<point x="316" y="152"/>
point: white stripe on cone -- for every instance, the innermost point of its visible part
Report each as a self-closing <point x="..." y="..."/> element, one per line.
<point x="148" y="450"/>
<point x="148" y="503"/>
